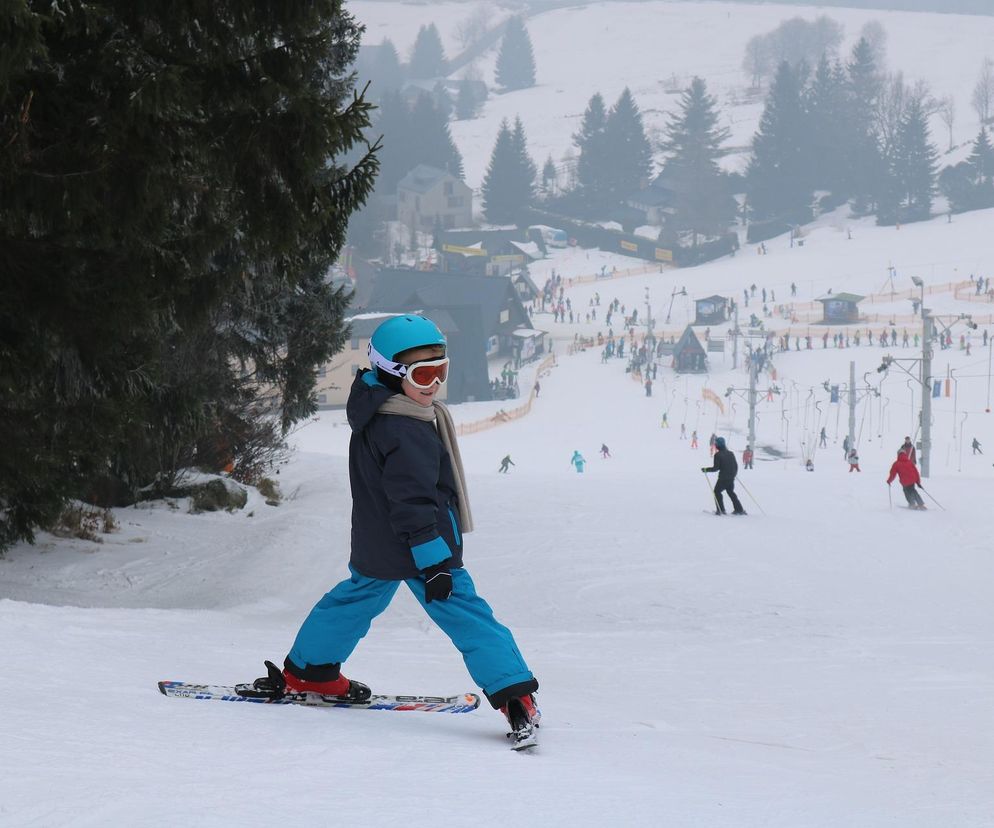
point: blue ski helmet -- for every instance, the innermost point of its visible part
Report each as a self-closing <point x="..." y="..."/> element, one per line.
<point x="399" y="334"/>
<point x="719" y="442"/>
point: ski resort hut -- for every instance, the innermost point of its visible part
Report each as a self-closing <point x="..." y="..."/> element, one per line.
<point x="840" y="308"/>
<point x="712" y="310"/>
<point x="688" y="354"/>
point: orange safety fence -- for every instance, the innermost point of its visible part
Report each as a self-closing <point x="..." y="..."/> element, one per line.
<point x="503" y="416"/>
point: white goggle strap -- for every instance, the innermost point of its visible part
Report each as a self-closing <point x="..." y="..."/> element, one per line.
<point x="377" y="360"/>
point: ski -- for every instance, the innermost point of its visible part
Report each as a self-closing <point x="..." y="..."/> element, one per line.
<point x="426" y="704"/>
<point x="523" y="737"/>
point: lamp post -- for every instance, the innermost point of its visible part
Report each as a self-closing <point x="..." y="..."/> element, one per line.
<point x="681" y="292"/>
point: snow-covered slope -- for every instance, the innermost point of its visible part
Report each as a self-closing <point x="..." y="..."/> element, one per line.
<point x="656" y="47"/>
<point x="822" y="662"/>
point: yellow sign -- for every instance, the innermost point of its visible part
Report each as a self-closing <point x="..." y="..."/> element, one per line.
<point x="664" y="255"/>
<point x="466" y="251"/>
<point x="627" y="245"/>
<point x="513" y="258"/>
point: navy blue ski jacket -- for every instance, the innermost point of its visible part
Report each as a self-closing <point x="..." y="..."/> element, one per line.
<point x="405" y="515"/>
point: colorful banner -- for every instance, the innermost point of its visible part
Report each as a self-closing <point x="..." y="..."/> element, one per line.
<point x="466" y="251"/>
<point x="937" y="388"/>
<point x="664" y="255"/>
<point x="627" y="245"/>
<point x="709" y="395"/>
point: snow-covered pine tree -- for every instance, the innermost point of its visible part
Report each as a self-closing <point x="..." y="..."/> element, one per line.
<point x="702" y="205"/>
<point x="777" y="178"/>
<point x="427" y="55"/>
<point x="629" y="154"/>
<point x="174" y="195"/>
<point x="516" y="59"/>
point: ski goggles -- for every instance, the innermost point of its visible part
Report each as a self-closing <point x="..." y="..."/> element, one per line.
<point x="426" y="373"/>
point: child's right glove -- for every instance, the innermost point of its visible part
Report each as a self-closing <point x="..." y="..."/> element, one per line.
<point x="438" y="582"/>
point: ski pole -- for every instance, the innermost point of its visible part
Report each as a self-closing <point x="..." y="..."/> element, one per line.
<point x="936" y="502"/>
<point x="751" y="497"/>
<point x="890" y="499"/>
<point x="714" y="497"/>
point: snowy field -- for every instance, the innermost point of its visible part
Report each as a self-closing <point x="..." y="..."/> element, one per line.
<point x="656" y="47"/>
<point x="825" y="661"/>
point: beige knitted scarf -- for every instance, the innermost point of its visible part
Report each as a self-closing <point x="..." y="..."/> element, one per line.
<point x="439" y="414"/>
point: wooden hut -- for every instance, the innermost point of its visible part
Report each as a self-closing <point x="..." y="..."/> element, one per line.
<point x="712" y="310"/>
<point x="688" y="354"/>
<point x="840" y="308"/>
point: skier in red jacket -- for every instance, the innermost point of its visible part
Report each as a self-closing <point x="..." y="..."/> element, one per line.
<point x="907" y="473"/>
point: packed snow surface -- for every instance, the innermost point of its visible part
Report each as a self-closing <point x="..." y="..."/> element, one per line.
<point x="825" y="661"/>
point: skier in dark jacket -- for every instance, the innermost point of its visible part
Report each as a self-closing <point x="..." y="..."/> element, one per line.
<point x="409" y="508"/>
<point x="727" y="467"/>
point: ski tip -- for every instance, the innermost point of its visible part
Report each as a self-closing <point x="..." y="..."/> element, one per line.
<point x="162" y="687"/>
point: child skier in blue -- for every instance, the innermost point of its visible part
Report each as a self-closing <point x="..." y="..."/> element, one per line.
<point x="409" y="504"/>
<point x="578" y="462"/>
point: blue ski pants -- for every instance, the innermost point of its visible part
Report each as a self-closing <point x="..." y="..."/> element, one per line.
<point x="343" y="616"/>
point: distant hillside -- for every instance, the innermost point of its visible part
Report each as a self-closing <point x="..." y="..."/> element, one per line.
<point x="984" y="7"/>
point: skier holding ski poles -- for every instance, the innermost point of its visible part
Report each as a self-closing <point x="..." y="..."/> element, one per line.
<point x="410" y="510"/>
<point x="727" y="467"/>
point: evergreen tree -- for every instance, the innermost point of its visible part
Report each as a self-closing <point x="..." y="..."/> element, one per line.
<point x="777" y="178"/>
<point x="702" y="204"/>
<point x="430" y="139"/>
<point x="466" y="103"/>
<point x="397" y="156"/>
<point x="173" y="196"/>
<point x="828" y="147"/>
<point x="516" y="59"/>
<point x="385" y="74"/>
<point x="592" y="165"/>
<point x="526" y="170"/>
<point x="982" y="159"/>
<point x="508" y="185"/>
<point x="628" y="152"/>
<point x="427" y="55"/>
<point x="969" y="185"/>
<point x="909" y="186"/>
<point x="862" y="148"/>
<point x="549" y="175"/>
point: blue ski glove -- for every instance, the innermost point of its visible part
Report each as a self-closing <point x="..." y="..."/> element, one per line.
<point x="438" y="582"/>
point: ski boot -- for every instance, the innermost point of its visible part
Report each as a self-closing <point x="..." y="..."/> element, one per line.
<point x="279" y="683"/>
<point x="524" y="717"/>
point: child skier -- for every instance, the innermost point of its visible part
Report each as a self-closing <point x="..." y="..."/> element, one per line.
<point x="578" y="462"/>
<point x="907" y="473"/>
<point x="853" y="461"/>
<point x="409" y="504"/>
<point x="605" y="451"/>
